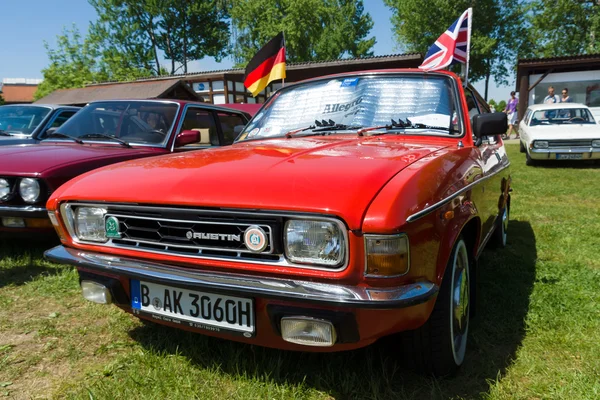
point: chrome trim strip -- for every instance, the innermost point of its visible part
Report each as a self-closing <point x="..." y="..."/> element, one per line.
<point x="66" y="215"/>
<point x="375" y="236"/>
<point x="448" y="199"/>
<point x="23" y="208"/>
<point x="255" y="286"/>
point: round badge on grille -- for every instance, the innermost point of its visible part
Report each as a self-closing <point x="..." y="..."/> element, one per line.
<point x="255" y="238"/>
<point x="189" y="235"/>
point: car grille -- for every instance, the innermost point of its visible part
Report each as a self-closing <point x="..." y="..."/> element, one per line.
<point x="570" y="143"/>
<point x="194" y="233"/>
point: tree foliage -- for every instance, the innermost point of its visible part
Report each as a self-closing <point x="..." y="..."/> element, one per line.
<point x="313" y="29"/>
<point x="562" y="27"/>
<point x="144" y="30"/>
<point x="77" y="61"/>
<point x="496" y="27"/>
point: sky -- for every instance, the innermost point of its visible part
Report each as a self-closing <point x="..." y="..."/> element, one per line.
<point x="26" y="24"/>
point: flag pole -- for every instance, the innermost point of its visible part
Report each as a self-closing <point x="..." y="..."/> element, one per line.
<point x="283" y="79"/>
<point x="470" y="11"/>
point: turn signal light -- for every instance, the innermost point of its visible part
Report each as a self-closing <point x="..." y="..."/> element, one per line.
<point x="56" y="225"/>
<point x="387" y="256"/>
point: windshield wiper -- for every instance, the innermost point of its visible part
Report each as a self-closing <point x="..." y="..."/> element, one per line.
<point x="102" y="135"/>
<point x="4" y="133"/>
<point x="321" y="127"/>
<point x="64" y="135"/>
<point x="402" y="126"/>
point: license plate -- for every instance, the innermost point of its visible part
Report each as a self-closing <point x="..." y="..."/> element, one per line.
<point x="192" y="308"/>
<point x="569" y="156"/>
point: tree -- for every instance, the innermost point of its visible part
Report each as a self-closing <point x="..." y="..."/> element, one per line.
<point x="77" y="62"/>
<point x="497" y="26"/>
<point x="562" y="27"/>
<point x="313" y="29"/>
<point x="182" y="30"/>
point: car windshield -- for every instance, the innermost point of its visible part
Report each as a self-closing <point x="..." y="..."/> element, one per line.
<point x="135" y="122"/>
<point x="410" y="102"/>
<point x="562" y="116"/>
<point x="21" y="120"/>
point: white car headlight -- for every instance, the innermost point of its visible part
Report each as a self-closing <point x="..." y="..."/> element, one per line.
<point x="89" y="223"/>
<point x="314" y="242"/>
<point x="540" y="144"/>
<point x="29" y="189"/>
<point x="4" y="189"/>
<point x="596" y="143"/>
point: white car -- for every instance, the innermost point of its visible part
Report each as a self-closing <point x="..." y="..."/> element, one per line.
<point x="562" y="131"/>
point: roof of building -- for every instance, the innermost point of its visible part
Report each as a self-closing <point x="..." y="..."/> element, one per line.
<point x="559" y="60"/>
<point x="128" y="90"/>
<point x="21" y="81"/>
<point x="17" y="93"/>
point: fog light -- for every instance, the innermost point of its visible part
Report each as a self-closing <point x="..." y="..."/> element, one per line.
<point x="95" y="292"/>
<point x="11" y="222"/>
<point x="308" y="331"/>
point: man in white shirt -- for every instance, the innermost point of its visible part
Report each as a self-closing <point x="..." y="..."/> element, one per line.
<point x="551" y="98"/>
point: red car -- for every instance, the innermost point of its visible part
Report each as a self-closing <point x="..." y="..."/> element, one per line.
<point x="102" y="133"/>
<point x="351" y="207"/>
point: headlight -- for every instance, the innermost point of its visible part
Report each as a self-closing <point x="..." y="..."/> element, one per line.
<point x="314" y="242"/>
<point x="29" y="189"/>
<point x="540" y="144"/>
<point x="387" y="255"/>
<point x="596" y="143"/>
<point x="89" y="224"/>
<point x="4" y="189"/>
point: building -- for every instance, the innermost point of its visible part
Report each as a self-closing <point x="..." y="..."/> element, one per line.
<point x="580" y="74"/>
<point x="226" y="86"/>
<point x="18" y="90"/>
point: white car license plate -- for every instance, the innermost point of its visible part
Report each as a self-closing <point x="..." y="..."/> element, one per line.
<point x="195" y="309"/>
<point x="576" y="156"/>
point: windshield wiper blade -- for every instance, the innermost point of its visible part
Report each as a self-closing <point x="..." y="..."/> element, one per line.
<point x="102" y="135"/>
<point x="321" y="127"/>
<point x="64" y="135"/>
<point x="4" y="133"/>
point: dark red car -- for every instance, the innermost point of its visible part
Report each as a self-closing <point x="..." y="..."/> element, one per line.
<point x="102" y="133"/>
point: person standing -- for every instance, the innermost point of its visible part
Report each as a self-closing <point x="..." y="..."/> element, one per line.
<point x="511" y="113"/>
<point x="551" y="98"/>
<point x="565" y="96"/>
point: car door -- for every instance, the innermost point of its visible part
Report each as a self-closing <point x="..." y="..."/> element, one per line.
<point x="59" y="118"/>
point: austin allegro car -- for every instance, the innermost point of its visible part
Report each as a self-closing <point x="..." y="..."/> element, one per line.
<point x="563" y="131"/>
<point x="30" y="123"/>
<point x="350" y="208"/>
<point x="102" y="133"/>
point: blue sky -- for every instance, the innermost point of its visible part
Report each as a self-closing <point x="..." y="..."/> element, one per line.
<point x="26" y="24"/>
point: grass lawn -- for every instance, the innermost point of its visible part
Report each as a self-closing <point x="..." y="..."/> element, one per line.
<point x="536" y="336"/>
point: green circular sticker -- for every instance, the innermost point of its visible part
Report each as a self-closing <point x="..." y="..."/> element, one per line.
<point x="112" y="227"/>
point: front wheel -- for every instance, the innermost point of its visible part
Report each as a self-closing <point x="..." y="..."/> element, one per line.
<point x="439" y="346"/>
<point x="528" y="160"/>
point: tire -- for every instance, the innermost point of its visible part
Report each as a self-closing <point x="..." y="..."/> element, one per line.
<point x="522" y="147"/>
<point x="500" y="234"/>
<point x="439" y="346"/>
<point x="528" y="160"/>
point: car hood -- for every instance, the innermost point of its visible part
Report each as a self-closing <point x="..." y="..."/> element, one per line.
<point x="558" y="132"/>
<point x="40" y="159"/>
<point x="338" y="176"/>
<point x="13" y="140"/>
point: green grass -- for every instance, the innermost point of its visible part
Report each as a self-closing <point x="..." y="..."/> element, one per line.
<point x="536" y="336"/>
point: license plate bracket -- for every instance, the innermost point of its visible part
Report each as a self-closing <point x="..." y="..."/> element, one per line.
<point x="195" y="309"/>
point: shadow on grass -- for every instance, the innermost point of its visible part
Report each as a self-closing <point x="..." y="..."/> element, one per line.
<point x="567" y="164"/>
<point x="506" y="279"/>
<point x="22" y="260"/>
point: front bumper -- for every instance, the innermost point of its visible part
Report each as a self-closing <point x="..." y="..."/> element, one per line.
<point x="23" y="212"/>
<point x="360" y="315"/>
<point x="326" y="294"/>
<point x="34" y="220"/>
<point x="587" y="153"/>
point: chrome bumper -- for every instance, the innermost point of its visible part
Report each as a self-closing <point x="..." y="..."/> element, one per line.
<point x="589" y="153"/>
<point x="255" y="286"/>
<point x="23" y="211"/>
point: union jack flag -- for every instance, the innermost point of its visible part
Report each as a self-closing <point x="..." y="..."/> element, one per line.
<point x="450" y="48"/>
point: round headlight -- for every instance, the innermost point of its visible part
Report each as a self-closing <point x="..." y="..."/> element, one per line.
<point x="29" y="189"/>
<point x="4" y="189"/>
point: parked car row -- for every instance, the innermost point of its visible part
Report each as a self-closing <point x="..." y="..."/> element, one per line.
<point x="349" y="208"/>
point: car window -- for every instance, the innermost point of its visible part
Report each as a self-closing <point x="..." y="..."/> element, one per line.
<point x="471" y="104"/>
<point x="62" y="118"/>
<point x="228" y="123"/>
<point x="527" y="116"/>
<point x="562" y="116"/>
<point x="203" y="122"/>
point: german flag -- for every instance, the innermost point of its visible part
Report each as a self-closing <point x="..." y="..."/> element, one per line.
<point x="266" y="66"/>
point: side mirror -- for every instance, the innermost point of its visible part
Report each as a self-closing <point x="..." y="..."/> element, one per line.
<point x="238" y="129"/>
<point x="490" y="124"/>
<point x="49" y="132"/>
<point x="187" y="137"/>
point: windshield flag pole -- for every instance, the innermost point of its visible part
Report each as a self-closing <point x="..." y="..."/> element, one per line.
<point x="466" y="65"/>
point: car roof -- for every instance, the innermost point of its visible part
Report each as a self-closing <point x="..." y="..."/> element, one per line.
<point x="52" y="106"/>
<point x="180" y="102"/>
<point x="555" y="106"/>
